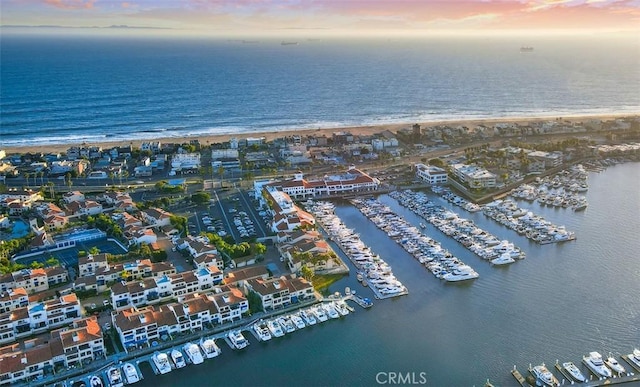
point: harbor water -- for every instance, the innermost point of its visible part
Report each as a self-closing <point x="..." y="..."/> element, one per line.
<point x="561" y="302"/>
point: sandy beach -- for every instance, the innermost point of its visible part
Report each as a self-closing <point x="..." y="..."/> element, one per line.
<point x="356" y="130"/>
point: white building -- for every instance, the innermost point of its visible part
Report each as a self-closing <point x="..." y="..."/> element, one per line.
<point x="432" y="175"/>
<point x="474" y="176"/>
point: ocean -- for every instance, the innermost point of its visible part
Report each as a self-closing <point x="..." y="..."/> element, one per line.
<point x="561" y="302"/>
<point x="61" y="89"/>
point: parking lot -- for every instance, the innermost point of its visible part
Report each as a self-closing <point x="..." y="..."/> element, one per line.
<point x="231" y="212"/>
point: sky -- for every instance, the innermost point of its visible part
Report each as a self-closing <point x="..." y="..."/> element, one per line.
<point x="331" y="17"/>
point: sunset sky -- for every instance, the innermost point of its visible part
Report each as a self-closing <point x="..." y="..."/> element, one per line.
<point x="330" y="17"/>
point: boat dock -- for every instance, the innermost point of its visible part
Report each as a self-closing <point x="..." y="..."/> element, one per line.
<point x="562" y="371"/>
<point x="632" y="364"/>
<point x="518" y="376"/>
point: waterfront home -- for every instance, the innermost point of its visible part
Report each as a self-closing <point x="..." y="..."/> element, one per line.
<point x="431" y="175"/>
<point x="281" y="291"/>
<point x="75" y="345"/>
<point x="231" y="303"/>
<point x="141" y="326"/>
<point x="38" y="317"/>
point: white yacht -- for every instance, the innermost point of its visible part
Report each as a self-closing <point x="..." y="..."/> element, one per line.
<point x="331" y="311"/>
<point x="262" y="331"/>
<point x="115" y="377"/>
<point x="544" y="375"/>
<point x="178" y="359"/>
<point x="209" y="348"/>
<point x="237" y="339"/>
<point x="193" y="353"/>
<point x="504" y="259"/>
<point x="275" y="328"/>
<point x="320" y="314"/>
<point x="95" y="381"/>
<point x="614" y="365"/>
<point x="341" y="307"/>
<point x="308" y="317"/>
<point x="297" y="320"/>
<point x="574" y="371"/>
<point x="130" y="373"/>
<point x="461" y="273"/>
<point x="161" y="360"/>
<point x="635" y="357"/>
<point x="286" y="324"/>
<point x="595" y="363"/>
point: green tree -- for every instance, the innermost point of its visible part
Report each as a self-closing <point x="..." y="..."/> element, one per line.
<point x="307" y="273"/>
<point x="200" y="197"/>
<point x="94" y="250"/>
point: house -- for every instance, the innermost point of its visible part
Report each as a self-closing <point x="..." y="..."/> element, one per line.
<point x="38" y="317"/>
<point x="240" y="277"/>
<point x="12" y="299"/>
<point x="156" y="217"/>
<point x="55" y="222"/>
<point x="75" y="345"/>
<point x="231" y="303"/>
<point x="142" y="326"/>
<point x="89" y="264"/>
<point x="73" y="196"/>
<point x="139" y="235"/>
<point x="83" y="208"/>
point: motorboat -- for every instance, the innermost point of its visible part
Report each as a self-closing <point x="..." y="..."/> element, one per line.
<point x="614" y="365"/>
<point x="262" y="331"/>
<point x="461" y="273"/>
<point x="595" y="364"/>
<point x="574" y="371"/>
<point x="544" y="375"/>
<point x="178" y="359"/>
<point x="161" y="360"/>
<point x="95" y="381"/>
<point x="308" y="317"/>
<point x="634" y="357"/>
<point x="209" y="348"/>
<point x="341" y="307"/>
<point x="193" y="353"/>
<point x="130" y="373"/>
<point x="320" y="313"/>
<point x="331" y="311"/>
<point x="286" y="324"/>
<point x="297" y="320"/>
<point x="504" y="259"/>
<point x="115" y="377"/>
<point x="237" y="339"/>
<point x="275" y="328"/>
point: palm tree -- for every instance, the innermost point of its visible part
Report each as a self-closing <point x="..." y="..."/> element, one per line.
<point x="221" y="173"/>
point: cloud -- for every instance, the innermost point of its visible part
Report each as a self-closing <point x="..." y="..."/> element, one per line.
<point x="71" y="4"/>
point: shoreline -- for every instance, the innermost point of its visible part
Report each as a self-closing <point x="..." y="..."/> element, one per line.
<point x="327" y="131"/>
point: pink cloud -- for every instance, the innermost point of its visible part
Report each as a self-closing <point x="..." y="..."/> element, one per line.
<point x="71" y="4"/>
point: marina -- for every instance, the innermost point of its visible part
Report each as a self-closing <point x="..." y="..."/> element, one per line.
<point x="375" y="272"/>
<point x="424" y="249"/>
<point x="482" y="243"/>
